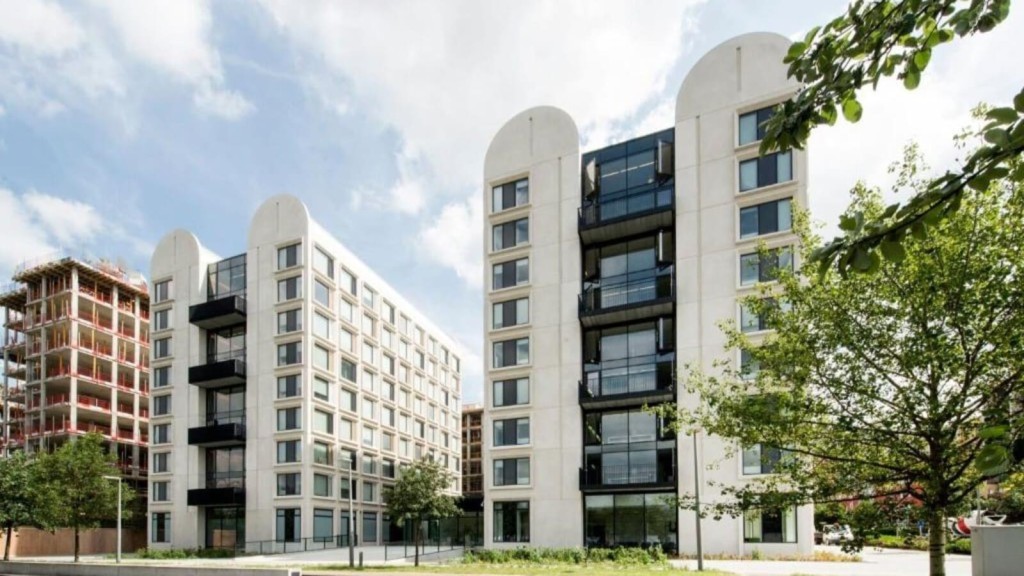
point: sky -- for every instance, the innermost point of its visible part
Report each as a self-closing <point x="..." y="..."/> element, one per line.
<point x="121" y="121"/>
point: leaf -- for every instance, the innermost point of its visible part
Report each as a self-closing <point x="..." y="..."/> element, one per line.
<point x="911" y="78"/>
<point x="852" y="110"/>
<point x="993" y="432"/>
<point x="1018" y="102"/>
<point x="922" y="57"/>
<point x="847" y="222"/>
<point x="893" y="250"/>
<point x="795" y="51"/>
<point x="861" y="260"/>
<point x="918" y="230"/>
<point x="998" y="136"/>
<point x="991" y="460"/>
<point x="1003" y="115"/>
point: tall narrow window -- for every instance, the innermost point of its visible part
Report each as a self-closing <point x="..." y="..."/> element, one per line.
<point x="775" y="216"/>
<point x="510" y="313"/>
<point x="752" y="125"/>
<point x="510" y="195"/>
<point x="512" y="273"/>
<point x="289" y="256"/>
<point x="766" y="170"/>
<point x="511" y="234"/>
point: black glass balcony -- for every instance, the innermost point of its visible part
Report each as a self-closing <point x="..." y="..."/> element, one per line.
<point x="612" y="302"/>
<point x="628" y="477"/>
<point x="221" y="369"/>
<point x="216" y="434"/>
<point x="222" y="489"/>
<point x="632" y="385"/>
<point x="610" y="218"/>
<point x="213" y="314"/>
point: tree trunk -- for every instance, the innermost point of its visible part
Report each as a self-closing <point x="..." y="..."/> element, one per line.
<point x="416" y="541"/>
<point x="76" y="543"/>
<point x="937" y="544"/>
<point x="7" y="544"/>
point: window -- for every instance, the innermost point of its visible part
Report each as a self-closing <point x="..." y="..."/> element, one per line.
<point x="290" y="353"/>
<point x="345" y="340"/>
<point x="321" y="326"/>
<point x="321" y="389"/>
<point x="323" y="263"/>
<point x="512" y="471"/>
<point x="321" y="358"/>
<point x="770" y="526"/>
<point x="289" y="484"/>
<point x="160" y="461"/>
<point x="345" y="430"/>
<point x="161" y="348"/>
<point x="766" y="170"/>
<point x="511" y="353"/>
<point x="368" y="353"/>
<point x="369" y="490"/>
<point x="226" y="278"/>
<point x="347" y="281"/>
<point x="288" y="386"/>
<point x="161" y="434"/>
<point x="321" y="454"/>
<point x="323" y="525"/>
<point x="160" y="492"/>
<point x="348" y="370"/>
<point x="511" y="432"/>
<point x="289" y="256"/>
<point x="511" y="521"/>
<point x="388" y="469"/>
<point x="345" y="310"/>
<point x="749" y="366"/>
<point x="368" y="434"/>
<point x="347" y="400"/>
<point x="289" y="451"/>
<point x="162" y="405"/>
<point x="510" y="313"/>
<point x="368" y="408"/>
<point x="766" y="218"/>
<point x="161" y="377"/>
<point x="751" y="125"/>
<point x="764" y="267"/>
<point x="289" y="419"/>
<point x="369" y="297"/>
<point x="321" y="294"/>
<point x="369" y="526"/>
<point x="388" y="313"/>
<point x="511" y="392"/>
<point x="510" y="195"/>
<point x="289" y="525"/>
<point x="511" y="273"/>
<point x="289" y="288"/>
<point x="510" y="234"/>
<point x="162" y="291"/>
<point x="387" y="416"/>
<point x="323" y="422"/>
<point x="322" y="485"/>
<point x="161" y="529"/>
<point x="758" y="459"/>
<point x="387" y="442"/>
<point x="369" y="465"/>
<point x="387" y="364"/>
<point x="751" y="321"/>
<point x="161" y="320"/>
<point x="289" y="321"/>
<point x="369" y="326"/>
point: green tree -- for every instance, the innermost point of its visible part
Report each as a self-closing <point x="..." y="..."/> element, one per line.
<point x="18" y="496"/>
<point x="885" y="385"/>
<point x="73" y="491"/>
<point x="421" y="494"/>
<point x="882" y="38"/>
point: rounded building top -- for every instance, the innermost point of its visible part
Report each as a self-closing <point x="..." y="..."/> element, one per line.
<point x="533" y="135"/>
<point x="280" y="216"/>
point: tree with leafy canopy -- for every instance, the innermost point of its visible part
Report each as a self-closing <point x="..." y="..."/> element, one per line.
<point x="905" y="383"/>
<point x="73" y="491"/>
<point x="419" y="494"/>
<point x="18" y="496"/>
<point x="882" y="38"/>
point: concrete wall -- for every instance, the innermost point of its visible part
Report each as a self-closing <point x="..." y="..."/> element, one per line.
<point x="541" y="144"/>
<point x="997" y="550"/>
<point x="68" y="569"/>
<point x="29" y="542"/>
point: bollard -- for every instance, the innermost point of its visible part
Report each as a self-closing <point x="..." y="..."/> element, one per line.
<point x="360" y="559"/>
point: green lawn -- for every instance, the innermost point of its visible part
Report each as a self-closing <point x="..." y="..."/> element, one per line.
<point x="593" y="569"/>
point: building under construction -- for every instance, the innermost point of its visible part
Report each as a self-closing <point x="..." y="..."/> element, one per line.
<point x="76" y="359"/>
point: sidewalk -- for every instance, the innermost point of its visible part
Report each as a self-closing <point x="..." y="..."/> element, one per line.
<point x="873" y="563"/>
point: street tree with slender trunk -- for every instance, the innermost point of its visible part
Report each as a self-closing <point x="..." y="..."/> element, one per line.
<point x="18" y="497"/>
<point x="904" y="383"/>
<point x="421" y="493"/>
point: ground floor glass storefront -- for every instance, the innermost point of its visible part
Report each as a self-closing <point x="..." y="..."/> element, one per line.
<point x="631" y="520"/>
<point x="225" y="527"/>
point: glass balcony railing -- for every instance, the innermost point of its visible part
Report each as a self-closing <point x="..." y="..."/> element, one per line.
<point x="638" y="379"/>
<point x="627" y="475"/>
<point x="234" y="479"/>
<point x="614" y="207"/>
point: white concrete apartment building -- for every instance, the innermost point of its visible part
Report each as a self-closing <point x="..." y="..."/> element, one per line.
<point x="606" y="273"/>
<point x="277" y="371"/>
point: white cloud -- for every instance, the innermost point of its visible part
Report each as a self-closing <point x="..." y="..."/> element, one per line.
<point x="446" y="76"/>
<point x="23" y="238"/>
<point x="455" y="239"/>
<point x="50" y="57"/>
<point x="961" y="75"/>
<point x="66" y="221"/>
<point x="3" y="111"/>
<point x="38" y="27"/>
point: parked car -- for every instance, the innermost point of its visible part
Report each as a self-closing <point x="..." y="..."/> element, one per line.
<point x="836" y="533"/>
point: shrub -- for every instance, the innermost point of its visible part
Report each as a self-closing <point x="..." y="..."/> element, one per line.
<point x="622" y="556"/>
<point x="182" y="553"/>
<point x="961" y="546"/>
